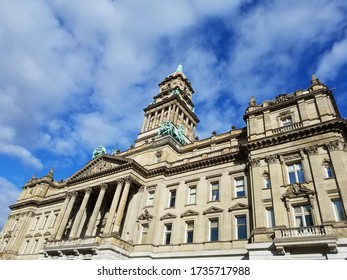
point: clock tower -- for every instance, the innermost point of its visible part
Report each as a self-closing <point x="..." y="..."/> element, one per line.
<point x="171" y="108"/>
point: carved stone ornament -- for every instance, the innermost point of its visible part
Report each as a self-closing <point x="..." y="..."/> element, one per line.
<point x="145" y="216"/>
<point x="312" y="150"/>
<point x="292" y="156"/>
<point x="281" y="98"/>
<point x="254" y="162"/>
<point x="297" y="189"/>
<point x="333" y="145"/>
<point x="272" y="159"/>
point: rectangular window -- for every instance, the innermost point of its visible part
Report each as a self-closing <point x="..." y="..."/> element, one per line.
<point x="267" y="184"/>
<point x="338" y="210"/>
<point x="150" y="198"/>
<point x="35" y="223"/>
<point x="240" y="187"/>
<point x="328" y="170"/>
<point x="215" y="191"/>
<point x="241" y="227"/>
<point x="44" y="221"/>
<point x="192" y="195"/>
<point x="26" y="244"/>
<point x="303" y="216"/>
<point x="53" y="220"/>
<point x="172" y="199"/>
<point x="296" y="173"/>
<point x="189" y="231"/>
<point x="270" y="217"/>
<point x="286" y="121"/>
<point x="144" y="234"/>
<point x="167" y="233"/>
<point x="34" y="247"/>
<point x="214" y="229"/>
<point x="14" y="224"/>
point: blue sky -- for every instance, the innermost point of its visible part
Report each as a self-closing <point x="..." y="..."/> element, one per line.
<point x="77" y="74"/>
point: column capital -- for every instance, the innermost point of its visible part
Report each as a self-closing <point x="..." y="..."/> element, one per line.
<point x="312" y="150"/>
<point x="254" y="162"/>
<point x="333" y="145"/>
<point x="128" y="179"/>
<point x="88" y="190"/>
<point x="272" y="159"/>
<point x="103" y="186"/>
<point x="120" y="181"/>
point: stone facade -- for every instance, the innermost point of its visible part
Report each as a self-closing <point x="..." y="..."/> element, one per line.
<point x="275" y="189"/>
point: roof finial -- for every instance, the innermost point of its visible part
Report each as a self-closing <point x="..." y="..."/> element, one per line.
<point x="315" y="80"/>
<point x="180" y="68"/>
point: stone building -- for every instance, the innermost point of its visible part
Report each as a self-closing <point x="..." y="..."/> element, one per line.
<point x="275" y="189"/>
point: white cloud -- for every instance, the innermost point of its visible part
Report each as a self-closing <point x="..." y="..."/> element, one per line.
<point x="8" y="195"/>
<point x="333" y="60"/>
<point x="22" y="154"/>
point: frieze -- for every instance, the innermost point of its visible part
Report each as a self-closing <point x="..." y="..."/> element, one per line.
<point x="291" y="157"/>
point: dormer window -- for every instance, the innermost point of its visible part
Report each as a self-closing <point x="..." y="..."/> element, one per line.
<point x="286" y="121"/>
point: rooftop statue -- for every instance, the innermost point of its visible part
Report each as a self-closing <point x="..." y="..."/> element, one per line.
<point x="99" y="151"/>
<point x="167" y="128"/>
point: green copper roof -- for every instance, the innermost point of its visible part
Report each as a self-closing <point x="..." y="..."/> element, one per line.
<point x="180" y="68"/>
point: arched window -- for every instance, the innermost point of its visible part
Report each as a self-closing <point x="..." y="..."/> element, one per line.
<point x="328" y="170"/>
<point x="266" y="180"/>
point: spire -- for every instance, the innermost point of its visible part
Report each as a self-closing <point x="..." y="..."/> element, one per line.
<point x="179" y="68"/>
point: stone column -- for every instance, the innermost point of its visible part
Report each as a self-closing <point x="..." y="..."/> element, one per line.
<point x="257" y="194"/>
<point x="144" y="124"/>
<point x="94" y="216"/>
<point x="113" y="208"/>
<point x="323" y="201"/>
<point x="148" y="121"/>
<point x="61" y="214"/>
<point x="276" y="182"/>
<point x="80" y="212"/>
<point x="168" y="113"/>
<point x="66" y="215"/>
<point x="122" y="204"/>
<point x="339" y="167"/>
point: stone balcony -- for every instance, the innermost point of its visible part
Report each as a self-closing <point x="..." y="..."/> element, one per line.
<point x="84" y="246"/>
<point x="287" y="128"/>
<point x="302" y="237"/>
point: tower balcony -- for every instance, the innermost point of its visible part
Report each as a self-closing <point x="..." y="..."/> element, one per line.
<point x="287" y="128"/>
<point x="305" y="238"/>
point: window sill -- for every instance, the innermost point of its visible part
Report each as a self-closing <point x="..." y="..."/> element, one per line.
<point x="190" y="204"/>
<point x="329" y="178"/>
<point x="148" y="206"/>
<point x="211" y="201"/>
<point x="173" y="207"/>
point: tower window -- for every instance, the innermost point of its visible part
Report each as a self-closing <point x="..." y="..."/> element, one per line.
<point x="241" y="227"/>
<point x="192" y="195"/>
<point x="338" y="210"/>
<point x="150" y="199"/>
<point x="328" y="170"/>
<point x="286" y="121"/>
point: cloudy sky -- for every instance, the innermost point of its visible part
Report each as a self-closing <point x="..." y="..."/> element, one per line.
<point x="77" y="74"/>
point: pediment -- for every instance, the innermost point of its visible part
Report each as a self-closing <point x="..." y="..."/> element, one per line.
<point x="238" y="206"/>
<point x="212" y="209"/>
<point x="28" y="236"/>
<point x="189" y="213"/>
<point x="47" y="233"/>
<point x="168" y="216"/>
<point x="99" y="165"/>
<point x="37" y="235"/>
<point x="145" y="216"/>
<point x="296" y="190"/>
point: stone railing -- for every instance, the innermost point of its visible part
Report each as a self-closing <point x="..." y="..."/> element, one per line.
<point x="303" y="232"/>
<point x="287" y="128"/>
<point x="73" y="242"/>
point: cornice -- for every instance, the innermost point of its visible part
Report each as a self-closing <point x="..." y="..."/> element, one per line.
<point x="336" y="125"/>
